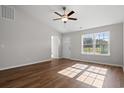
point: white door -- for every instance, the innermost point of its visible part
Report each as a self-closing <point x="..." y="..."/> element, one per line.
<point x="67" y="47"/>
<point x="55" y="43"/>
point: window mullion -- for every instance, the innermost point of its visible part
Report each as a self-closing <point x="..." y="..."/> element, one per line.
<point x="109" y="44"/>
<point x="94" y="43"/>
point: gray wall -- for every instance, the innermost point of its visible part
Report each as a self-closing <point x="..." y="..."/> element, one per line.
<point x="24" y="41"/>
<point x="116" y="43"/>
<point x="123" y="46"/>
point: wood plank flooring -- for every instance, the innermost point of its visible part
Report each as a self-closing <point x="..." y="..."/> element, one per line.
<point x="63" y="73"/>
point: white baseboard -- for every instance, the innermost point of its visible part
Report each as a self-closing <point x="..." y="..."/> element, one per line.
<point x="60" y="58"/>
<point x="96" y="62"/>
<point x="5" y="68"/>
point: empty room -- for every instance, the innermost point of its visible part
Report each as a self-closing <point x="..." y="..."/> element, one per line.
<point x="61" y="46"/>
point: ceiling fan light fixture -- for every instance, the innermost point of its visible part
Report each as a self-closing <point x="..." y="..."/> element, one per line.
<point x="64" y="19"/>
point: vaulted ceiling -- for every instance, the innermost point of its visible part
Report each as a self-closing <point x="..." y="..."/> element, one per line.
<point x="88" y="16"/>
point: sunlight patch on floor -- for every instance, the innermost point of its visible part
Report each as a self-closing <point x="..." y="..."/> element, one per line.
<point x="70" y="72"/>
<point x="80" y="66"/>
<point x="91" y="75"/>
<point x="92" y="79"/>
<point x="97" y="70"/>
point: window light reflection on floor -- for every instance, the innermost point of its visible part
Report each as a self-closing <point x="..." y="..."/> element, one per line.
<point x="80" y="66"/>
<point x="92" y="79"/>
<point x="70" y="72"/>
<point x="99" y="70"/>
<point x="91" y="75"/>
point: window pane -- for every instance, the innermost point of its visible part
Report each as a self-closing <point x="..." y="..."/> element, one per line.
<point x="88" y="43"/>
<point x="102" y="43"/>
<point x="88" y="48"/>
<point x="88" y="39"/>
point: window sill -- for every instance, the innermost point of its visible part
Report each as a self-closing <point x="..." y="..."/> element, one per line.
<point x="96" y="54"/>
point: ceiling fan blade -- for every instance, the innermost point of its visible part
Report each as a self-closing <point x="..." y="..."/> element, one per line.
<point x="72" y="18"/>
<point x="58" y="14"/>
<point x="70" y="13"/>
<point x="57" y="19"/>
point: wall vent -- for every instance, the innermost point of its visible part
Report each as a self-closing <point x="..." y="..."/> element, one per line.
<point x="7" y="12"/>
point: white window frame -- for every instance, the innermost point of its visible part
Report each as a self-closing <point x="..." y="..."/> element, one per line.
<point x="94" y="45"/>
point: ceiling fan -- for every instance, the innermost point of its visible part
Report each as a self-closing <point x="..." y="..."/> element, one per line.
<point x="65" y="17"/>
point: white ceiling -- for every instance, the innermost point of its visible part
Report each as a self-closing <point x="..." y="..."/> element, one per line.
<point x="88" y="16"/>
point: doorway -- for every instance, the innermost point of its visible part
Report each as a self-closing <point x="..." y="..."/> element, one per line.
<point x="67" y="47"/>
<point x="55" y="44"/>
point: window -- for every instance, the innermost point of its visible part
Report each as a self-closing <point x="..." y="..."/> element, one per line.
<point x="88" y="43"/>
<point x="96" y="43"/>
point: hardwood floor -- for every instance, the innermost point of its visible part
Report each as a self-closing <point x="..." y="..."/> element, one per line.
<point x="63" y="73"/>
